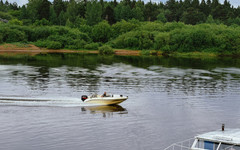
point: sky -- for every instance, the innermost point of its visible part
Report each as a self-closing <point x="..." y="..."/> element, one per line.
<point x="235" y="3"/>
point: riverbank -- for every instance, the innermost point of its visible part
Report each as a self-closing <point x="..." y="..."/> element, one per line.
<point x="31" y="50"/>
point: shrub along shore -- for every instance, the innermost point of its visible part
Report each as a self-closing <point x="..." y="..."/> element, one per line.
<point x="150" y="37"/>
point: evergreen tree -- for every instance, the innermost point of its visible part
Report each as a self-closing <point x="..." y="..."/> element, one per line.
<point x="58" y="6"/>
<point x="161" y="17"/>
<point x="172" y="6"/>
<point x="192" y="16"/>
<point x="187" y="4"/>
<point x="61" y="18"/>
<point x="138" y="13"/>
<point x="109" y="15"/>
<point x="23" y="13"/>
<point x="195" y="4"/>
<point x="72" y="11"/>
<point x="44" y="9"/>
<point x="203" y="8"/>
<point x="150" y="11"/>
<point x="32" y="9"/>
<point x="215" y="4"/>
<point x="14" y="6"/>
<point x="2" y="6"/>
<point x="122" y="12"/>
<point x="93" y="12"/>
<point x="210" y="19"/>
<point x="53" y="16"/>
<point x="81" y="8"/>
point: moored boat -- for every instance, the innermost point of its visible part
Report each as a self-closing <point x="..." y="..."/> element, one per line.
<point x="104" y="100"/>
<point x="225" y="139"/>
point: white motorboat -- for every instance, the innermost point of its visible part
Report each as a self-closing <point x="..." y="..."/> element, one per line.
<point x="225" y="139"/>
<point x="104" y="100"/>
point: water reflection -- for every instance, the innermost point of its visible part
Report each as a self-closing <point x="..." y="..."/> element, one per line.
<point x="89" y="73"/>
<point x="106" y="111"/>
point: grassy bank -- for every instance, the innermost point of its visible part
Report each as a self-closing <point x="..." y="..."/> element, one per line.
<point x="19" y="50"/>
<point x="174" y="38"/>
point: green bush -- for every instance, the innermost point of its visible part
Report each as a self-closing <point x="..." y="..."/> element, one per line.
<point x="76" y="44"/>
<point x="92" y="46"/>
<point x="15" y="22"/>
<point x="48" y="44"/>
<point x="14" y="35"/>
<point x="41" y="43"/>
<point x="161" y="41"/>
<point x="6" y="16"/>
<point x="134" y="39"/>
<point x="54" y="45"/>
<point x="152" y="26"/>
<point x="27" y="30"/>
<point x="41" y="33"/>
<point x="101" y="32"/>
<point x="10" y="34"/>
<point x="105" y="50"/>
<point x="123" y="27"/>
<point x="42" y="22"/>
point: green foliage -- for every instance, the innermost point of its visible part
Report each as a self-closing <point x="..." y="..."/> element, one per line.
<point x="161" y="17"/>
<point x="6" y="16"/>
<point x="42" y="22"/>
<point x="93" y="12"/>
<point x="54" y="45"/>
<point x="106" y="50"/>
<point x="123" y="12"/>
<point x="101" y="32"/>
<point x="91" y="46"/>
<point x="41" y="43"/>
<point x="59" y="11"/>
<point x="15" y="22"/>
<point x="152" y="26"/>
<point x="11" y="35"/>
<point x="123" y="27"/>
<point x="162" y="40"/>
<point x="134" y="39"/>
<point x="48" y="44"/>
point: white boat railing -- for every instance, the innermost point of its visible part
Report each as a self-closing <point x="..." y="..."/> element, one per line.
<point x="187" y="145"/>
<point x="183" y="145"/>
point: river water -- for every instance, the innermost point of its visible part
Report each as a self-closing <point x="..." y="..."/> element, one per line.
<point x="170" y="100"/>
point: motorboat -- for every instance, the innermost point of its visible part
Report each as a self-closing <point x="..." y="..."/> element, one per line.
<point x="104" y="100"/>
<point x="225" y="139"/>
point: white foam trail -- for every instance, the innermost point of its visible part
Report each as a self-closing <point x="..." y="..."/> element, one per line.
<point x="36" y="101"/>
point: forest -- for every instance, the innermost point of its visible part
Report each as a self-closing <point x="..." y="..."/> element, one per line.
<point x="174" y="26"/>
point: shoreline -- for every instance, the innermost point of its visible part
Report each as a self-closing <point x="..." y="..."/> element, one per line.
<point x="30" y="49"/>
<point x="13" y="49"/>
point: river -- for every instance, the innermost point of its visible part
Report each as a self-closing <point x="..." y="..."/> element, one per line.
<point x="170" y="100"/>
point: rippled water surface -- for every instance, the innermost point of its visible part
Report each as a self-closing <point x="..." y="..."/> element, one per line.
<point x="170" y="100"/>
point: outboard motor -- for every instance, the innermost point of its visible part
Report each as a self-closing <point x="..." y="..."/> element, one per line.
<point x="84" y="97"/>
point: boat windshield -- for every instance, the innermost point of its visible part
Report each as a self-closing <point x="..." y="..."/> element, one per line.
<point x="229" y="147"/>
<point x="93" y="95"/>
<point x="209" y="145"/>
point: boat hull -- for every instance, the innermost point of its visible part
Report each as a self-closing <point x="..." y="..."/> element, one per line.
<point x="105" y="101"/>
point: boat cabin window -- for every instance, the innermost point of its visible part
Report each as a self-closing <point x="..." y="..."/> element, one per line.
<point x="229" y="147"/>
<point x="207" y="145"/>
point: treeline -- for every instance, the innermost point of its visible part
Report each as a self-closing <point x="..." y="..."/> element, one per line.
<point x="74" y="13"/>
<point x="166" y="37"/>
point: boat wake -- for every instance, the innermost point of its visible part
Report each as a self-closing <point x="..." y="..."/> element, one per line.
<point x="35" y="101"/>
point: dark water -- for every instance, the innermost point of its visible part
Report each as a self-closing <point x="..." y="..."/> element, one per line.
<point x="170" y="100"/>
